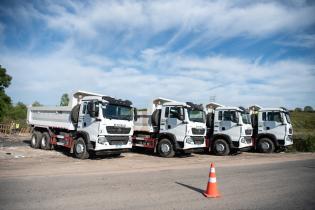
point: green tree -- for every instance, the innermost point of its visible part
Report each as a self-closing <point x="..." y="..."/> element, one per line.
<point x="308" y="109"/>
<point x="36" y="103"/>
<point x="298" y="109"/>
<point x="5" y="79"/>
<point x="18" y="112"/>
<point x="64" y="101"/>
<point x="5" y="100"/>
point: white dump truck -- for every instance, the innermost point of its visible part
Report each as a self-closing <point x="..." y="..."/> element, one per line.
<point x="272" y="129"/>
<point x="228" y="129"/>
<point x="92" y="123"/>
<point x="170" y="127"/>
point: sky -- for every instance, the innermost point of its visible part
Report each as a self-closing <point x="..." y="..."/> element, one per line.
<point x="236" y="52"/>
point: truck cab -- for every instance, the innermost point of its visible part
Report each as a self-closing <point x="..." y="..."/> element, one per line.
<point x="107" y="121"/>
<point x="229" y="128"/>
<point x="272" y="129"/>
<point x="172" y="127"/>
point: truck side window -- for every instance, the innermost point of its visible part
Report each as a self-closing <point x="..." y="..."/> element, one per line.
<point x="167" y="111"/>
<point x="84" y="108"/>
<point x="175" y="112"/>
<point x="264" y="116"/>
<point x="220" y="115"/>
<point x="230" y="116"/>
<point x="274" y="116"/>
<point x="227" y="116"/>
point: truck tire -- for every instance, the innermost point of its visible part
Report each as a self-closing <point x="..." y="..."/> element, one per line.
<point x="35" y="140"/>
<point x="80" y="149"/>
<point x="155" y="117"/>
<point x="75" y="114"/>
<point x="165" y="148"/>
<point x="265" y="145"/>
<point x="221" y="147"/>
<point x="45" y="141"/>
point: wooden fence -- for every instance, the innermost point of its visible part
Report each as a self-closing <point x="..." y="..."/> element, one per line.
<point x="12" y="128"/>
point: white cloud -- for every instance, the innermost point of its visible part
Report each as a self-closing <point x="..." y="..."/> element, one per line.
<point x="301" y="40"/>
<point x="233" y="81"/>
<point x="152" y="72"/>
<point x="209" y="19"/>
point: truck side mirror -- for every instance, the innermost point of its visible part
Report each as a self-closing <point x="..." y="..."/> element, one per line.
<point x="237" y="120"/>
<point x="282" y="120"/>
<point x="135" y="114"/>
<point x="181" y="114"/>
<point x="209" y="120"/>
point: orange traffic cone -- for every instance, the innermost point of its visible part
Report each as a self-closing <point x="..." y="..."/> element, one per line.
<point x="212" y="191"/>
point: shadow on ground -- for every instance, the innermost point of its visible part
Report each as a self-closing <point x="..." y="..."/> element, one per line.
<point x="191" y="187"/>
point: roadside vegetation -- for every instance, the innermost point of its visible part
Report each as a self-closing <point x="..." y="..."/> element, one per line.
<point x="13" y="116"/>
<point x="304" y="130"/>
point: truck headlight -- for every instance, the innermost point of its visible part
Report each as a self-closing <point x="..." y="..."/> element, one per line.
<point x="102" y="140"/>
<point x="289" y="138"/>
<point x="189" y="140"/>
<point x="248" y="131"/>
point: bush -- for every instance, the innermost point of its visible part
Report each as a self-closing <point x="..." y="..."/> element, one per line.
<point x="308" y="109"/>
<point x="297" y="109"/>
<point x="304" y="143"/>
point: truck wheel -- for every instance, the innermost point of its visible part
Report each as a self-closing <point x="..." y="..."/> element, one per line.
<point x="265" y="145"/>
<point x="45" y="141"/>
<point x="35" y="140"/>
<point x="221" y="147"/>
<point x="80" y="149"/>
<point x="165" y="148"/>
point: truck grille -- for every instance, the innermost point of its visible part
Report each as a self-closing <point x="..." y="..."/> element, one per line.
<point x="117" y="130"/>
<point x="248" y="131"/>
<point x="117" y="140"/>
<point x="198" y="139"/>
<point x="198" y="131"/>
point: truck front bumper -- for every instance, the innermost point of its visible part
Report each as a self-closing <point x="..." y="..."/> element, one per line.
<point x="115" y="142"/>
<point x="244" y="141"/>
<point x="194" y="142"/>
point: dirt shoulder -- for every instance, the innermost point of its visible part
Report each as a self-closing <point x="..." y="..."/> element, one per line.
<point x="24" y="161"/>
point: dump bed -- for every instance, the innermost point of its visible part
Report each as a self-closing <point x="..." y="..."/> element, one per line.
<point x="58" y="117"/>
<point x="143" y="122"/>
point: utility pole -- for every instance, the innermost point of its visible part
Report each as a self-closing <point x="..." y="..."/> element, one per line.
<point x="212" y="99"/>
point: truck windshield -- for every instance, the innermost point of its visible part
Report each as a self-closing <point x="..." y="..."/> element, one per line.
<point x="245" y="118"/>
<point x="287" y="116"/>
<point x="196" y="115"/>
<point x="112" y="111"/>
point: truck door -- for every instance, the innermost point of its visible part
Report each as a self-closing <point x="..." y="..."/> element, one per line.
<point x="229" y="124"/>
<point x="172" y="122"/>
<point x="273" y="124"/>
<point x="89" y="123"/>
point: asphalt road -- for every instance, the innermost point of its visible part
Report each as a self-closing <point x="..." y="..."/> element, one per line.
<point x="286" y="185"/>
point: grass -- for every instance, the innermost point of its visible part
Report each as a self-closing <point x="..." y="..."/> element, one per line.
<point x="304" y="131"/>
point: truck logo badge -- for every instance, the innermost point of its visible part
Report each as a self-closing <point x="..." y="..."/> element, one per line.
<point x="120" y="125"/>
